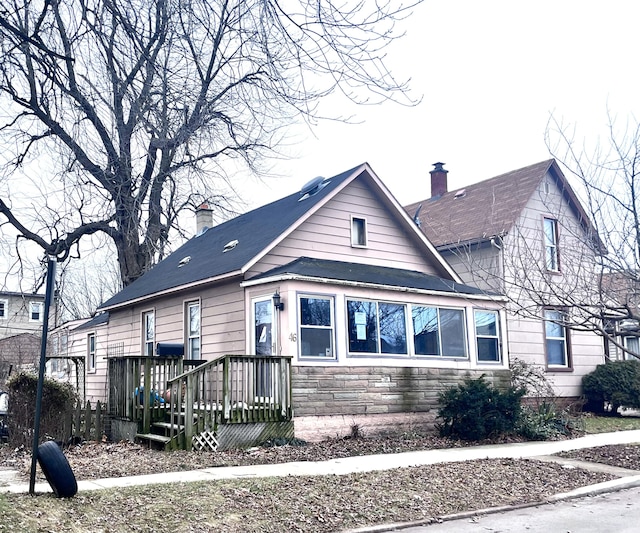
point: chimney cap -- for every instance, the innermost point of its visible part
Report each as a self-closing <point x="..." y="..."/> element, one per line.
<point x="437" y="167"/>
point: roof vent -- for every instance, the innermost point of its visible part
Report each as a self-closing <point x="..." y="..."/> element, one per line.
<point x="461" y="193"/>
<point x="312" y="187"/>
<point x="230" y="246"/>
<point x="184" y="261"/>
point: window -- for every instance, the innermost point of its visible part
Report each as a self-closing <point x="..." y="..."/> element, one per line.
<point x="35" y="311"/>
<point x="91" y="352"/>
<point x="556" y="337"/>
<point x="551" y="257"/>
<point x="316" y="326"/>
<point x="4" y="308"/>
<point x="376" y="327"/>
<point x="358" y="232"/>
<point x="438" y="331"/>
<point x="193" y="330"/>
<point x="148" y="332"/>
<point x="487" y="335"/>
<point x="633" y="345"/>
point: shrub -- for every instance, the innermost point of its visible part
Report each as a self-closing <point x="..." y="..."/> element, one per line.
<point x="615" y="384"/>
<point x="58" y="400"/>
<point x="475" y="410"/>
<point x="540" y="417"/>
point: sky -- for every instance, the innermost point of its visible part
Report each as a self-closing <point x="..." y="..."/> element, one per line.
<point x="491" y="74"/>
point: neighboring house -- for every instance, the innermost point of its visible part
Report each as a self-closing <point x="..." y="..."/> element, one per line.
<point x="77" y="355"/>
<point x="622" y="324"/>
<point x="338" y="277"/>
<point x="524" y="234"/>
<point x="20" y="313"/>
<point x="19" y="352"/>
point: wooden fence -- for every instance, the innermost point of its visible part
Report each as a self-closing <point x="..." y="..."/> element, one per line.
<point x="84" y="423"/>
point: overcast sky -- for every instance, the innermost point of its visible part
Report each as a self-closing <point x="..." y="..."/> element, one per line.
<point x="490" y="75"/>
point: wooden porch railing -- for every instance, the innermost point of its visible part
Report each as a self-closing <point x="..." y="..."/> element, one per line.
<point x="137" y="386"/>
<point x="233" y="389"/>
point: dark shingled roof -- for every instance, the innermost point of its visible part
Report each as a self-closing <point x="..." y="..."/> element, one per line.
<point x="254" y="231"/>
<point x="371" y="274"/>
<point x="98" y="320"/>
<point x="489" y="208"/>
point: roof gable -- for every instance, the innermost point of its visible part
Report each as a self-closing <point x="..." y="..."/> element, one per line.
<point x="249" y="237"/>
<point x="490" y="208"/>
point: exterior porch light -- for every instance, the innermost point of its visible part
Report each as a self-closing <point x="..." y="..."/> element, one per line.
<point x="277" y="302"/>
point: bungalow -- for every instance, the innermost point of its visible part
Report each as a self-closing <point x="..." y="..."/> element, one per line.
<point x="338" y="284"/>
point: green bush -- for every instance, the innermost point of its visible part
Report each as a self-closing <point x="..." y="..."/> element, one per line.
<point x="474" y="410"/>
<point x="613" y="385"/>
<point x="58" y="400"/>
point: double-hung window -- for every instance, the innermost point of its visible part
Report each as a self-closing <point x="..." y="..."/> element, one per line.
<point x="193" y="330"/>
<point x="556" y="338"/>
<point x="4" y="309"/>
<point x="91" y="352"/>
<point x="35" y="311"/>
<point x="438" y="331"/>
<point x="487" y="335"/>
<point x="551" y="253"/>
<point x="316" y="326"/>
<point x="376" y="327"/>
<point x="148" y="332"/>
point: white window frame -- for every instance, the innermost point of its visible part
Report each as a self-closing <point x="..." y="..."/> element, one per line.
<point x="565" y="338"/>
<point x="495" y="337"/>
<point x="331" y="327"/>
<point x="633" y="353"/>
<point x="40" y="306"/>
<point x="378" y="351"/>
<point x="91" y="352"/>
<point x="4" y="309"/>
<point x="551" y="244"/>
<point x="438" y="309"/>
<point x="359" y="236"/>
<point x="191" y="335"/>
<point x="148" y="344"/>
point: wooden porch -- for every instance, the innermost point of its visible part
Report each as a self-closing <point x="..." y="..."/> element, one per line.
<point x="232" y="401"/>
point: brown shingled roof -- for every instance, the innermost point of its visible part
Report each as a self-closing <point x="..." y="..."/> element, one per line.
<point x="489" y="208"/>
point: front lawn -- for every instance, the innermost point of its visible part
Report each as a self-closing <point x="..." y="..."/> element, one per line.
<point x="605" y="424"/>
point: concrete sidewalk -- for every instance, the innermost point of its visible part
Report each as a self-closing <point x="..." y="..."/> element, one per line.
<point x="367" y="463"/>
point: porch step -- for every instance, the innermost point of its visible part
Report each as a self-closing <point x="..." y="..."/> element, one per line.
<point x="166" y="426"/>
<point x="153" y="437"/>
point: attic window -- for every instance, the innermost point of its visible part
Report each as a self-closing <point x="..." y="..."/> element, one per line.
<point x="358" y="232"/>
<point x="230" y="246"/>
<point x="461" y="193"/>
<point x="312" y="187"/>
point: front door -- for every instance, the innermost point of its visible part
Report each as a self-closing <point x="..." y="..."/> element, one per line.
<point x="263" y="340"/>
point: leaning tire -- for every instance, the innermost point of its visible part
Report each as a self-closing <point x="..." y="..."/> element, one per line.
<point x="56" y="469"/>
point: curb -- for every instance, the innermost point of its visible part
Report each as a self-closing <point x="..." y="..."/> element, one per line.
<point x="613" y="485"/>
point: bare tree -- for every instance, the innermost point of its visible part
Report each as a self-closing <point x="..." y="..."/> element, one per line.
<point x="608" y="176"/>
<point x="129" y="112"/>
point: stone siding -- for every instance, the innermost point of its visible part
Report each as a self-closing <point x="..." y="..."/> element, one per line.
<point x="330" y="402"/>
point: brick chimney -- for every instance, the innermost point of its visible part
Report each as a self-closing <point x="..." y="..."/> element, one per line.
<point x="438" y="180"/>
<point x="204" y="217"/>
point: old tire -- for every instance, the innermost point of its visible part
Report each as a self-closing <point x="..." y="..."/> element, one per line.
<point x="56" y="469"/>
